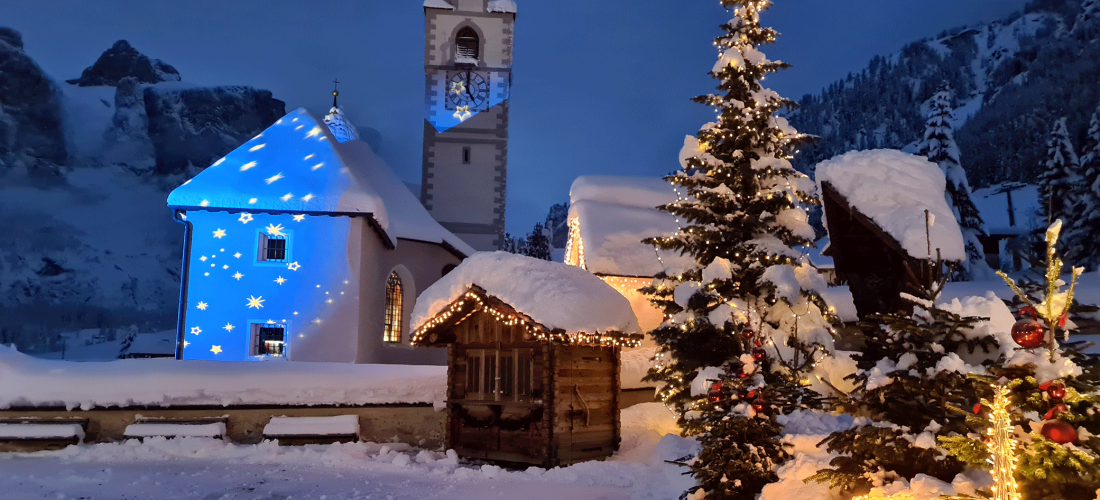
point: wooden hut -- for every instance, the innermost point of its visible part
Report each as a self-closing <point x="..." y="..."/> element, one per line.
<point x="890" y="229"/>
<point x="521" y="389"/>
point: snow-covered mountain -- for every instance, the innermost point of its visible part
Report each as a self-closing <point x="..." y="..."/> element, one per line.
<point x="85" y="168"/>
<point x="1013" y="77"/>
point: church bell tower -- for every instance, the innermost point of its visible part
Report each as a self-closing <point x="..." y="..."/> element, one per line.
<point x="468" y="70"/>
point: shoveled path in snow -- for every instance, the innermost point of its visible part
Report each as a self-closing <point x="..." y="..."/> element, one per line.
<point x="212" y="470"/>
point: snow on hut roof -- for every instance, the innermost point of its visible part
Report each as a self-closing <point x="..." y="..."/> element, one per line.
<point x="615" y="213"/>
<point x="551" y="293"/>
<point x="507" y="6"/>
<point x="894" y="189"/>
<point x="297" y="166"/>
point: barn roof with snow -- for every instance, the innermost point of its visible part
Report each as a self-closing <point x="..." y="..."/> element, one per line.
<point x="894" y="189"/>
<point x="552" y="295"/>
<point x="610" y="215"/>
<point x="297" y="166"/>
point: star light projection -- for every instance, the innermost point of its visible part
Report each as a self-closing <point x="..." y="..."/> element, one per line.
<point x="251" y="194"/>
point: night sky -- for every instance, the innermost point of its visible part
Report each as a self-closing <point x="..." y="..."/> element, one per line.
<point x="600" y="86"/>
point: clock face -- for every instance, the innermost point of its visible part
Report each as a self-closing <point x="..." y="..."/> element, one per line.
<point x="467" y="88"/>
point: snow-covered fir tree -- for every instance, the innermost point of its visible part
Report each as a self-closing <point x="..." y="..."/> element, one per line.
<point x="1056" y="183"/>
<point x="1084" y="231"/>
<point x="939" y="146"/>
<point x="912" y="386"/>
<point x="745" y="321"/>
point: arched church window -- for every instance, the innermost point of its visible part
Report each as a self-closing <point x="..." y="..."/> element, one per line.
<point x="394" y="300"/>
<point x="467" y="44"/>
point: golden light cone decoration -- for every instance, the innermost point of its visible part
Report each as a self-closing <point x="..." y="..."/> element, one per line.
<point x="1002" y="447"/>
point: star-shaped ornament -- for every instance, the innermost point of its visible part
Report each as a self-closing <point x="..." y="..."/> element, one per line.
<point x="228" y="327"/>
<point x="201" y="306"/>
<point x="275" y="230"/>
<point x="286" y="197"/>
<point x="225" y="266"/>
<point x="299" y="217"/>
<point x="237" y="255"/>
<point x="458" y="87"/>
<point x="216" y="349"/>
<point x="307" y="197"/>
<point x="219" y="234"/>
<point x="294" y="266"/>
<point x="186" y="343"/>
<point x="247" y="166"/>
<point x="196" y="330"/>
<point x="255" y="302"/>
<point x="280" y="280"/>
<point x="203" y="258"/>
<point x="238" y="276"/>
<point x="245" y="218"/>
<point x="462" y="113"/>
<point x="314" y="132"/>
<point x="274" y="178"/>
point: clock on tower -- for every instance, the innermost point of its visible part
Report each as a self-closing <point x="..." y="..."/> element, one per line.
<point x="468" y="70"/>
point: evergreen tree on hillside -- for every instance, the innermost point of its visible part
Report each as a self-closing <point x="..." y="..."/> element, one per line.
<point x="1084" y="231"/>
<point x="939" y="146"/>
<point x="538" y="243"/>
<point x="1056" y="182"/>
<point x="912" y="384"/>
<point x="1087" y="25"/>
<point x="745" y="321"/>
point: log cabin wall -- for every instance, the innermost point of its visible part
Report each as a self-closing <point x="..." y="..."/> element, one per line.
<point x="586" y="403"/>
<point x="523" y="400"/>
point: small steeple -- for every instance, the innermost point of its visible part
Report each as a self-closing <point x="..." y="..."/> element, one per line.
<point x="337" y="124"/>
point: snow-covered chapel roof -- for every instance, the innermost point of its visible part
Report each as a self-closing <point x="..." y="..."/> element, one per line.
<point x="550" y="293"/>
<point x="614" y="213"/>
<point x="894" y="189"/>
<point x="297" y="166"/>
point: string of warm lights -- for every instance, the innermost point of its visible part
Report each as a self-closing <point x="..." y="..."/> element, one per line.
<point x="1002" y="447"/>
<point x="607" y="339"/>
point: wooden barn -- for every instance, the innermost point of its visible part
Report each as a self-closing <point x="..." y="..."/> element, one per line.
<point x="530" y="379"/>
<point x="890" y="229"/>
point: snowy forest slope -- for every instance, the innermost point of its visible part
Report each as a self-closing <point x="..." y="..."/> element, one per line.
<point x="1013" y="78"/>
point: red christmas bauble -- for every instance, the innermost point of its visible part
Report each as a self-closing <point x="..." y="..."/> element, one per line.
<point x="759" y="355"/>
<point x="747" y="333"/>
<point x="1059" y="431"/>
<point x="715" y="392"/>
<point x="1057" y="391"/>
<point x="1028" y="333"/>
<point x="759" y="405"/>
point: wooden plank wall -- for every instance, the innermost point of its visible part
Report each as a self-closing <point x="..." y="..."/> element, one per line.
<point x="586" y="413"/>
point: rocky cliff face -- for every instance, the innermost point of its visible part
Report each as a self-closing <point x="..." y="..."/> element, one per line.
<point x="85" y="169"/>
<point x="196" y="126"/>
<point x="123" y="61"/>
<point x="30" y="113"/>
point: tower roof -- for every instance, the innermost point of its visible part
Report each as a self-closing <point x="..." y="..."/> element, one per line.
<point x="297" y="165"/>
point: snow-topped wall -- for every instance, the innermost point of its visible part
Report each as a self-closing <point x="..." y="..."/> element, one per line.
<point x="894" y="189"/>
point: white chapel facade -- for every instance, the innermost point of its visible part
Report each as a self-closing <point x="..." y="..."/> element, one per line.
<point x="468" y="70"/>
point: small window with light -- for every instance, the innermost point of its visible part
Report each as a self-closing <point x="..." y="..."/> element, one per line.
<point x="268" y="340"/>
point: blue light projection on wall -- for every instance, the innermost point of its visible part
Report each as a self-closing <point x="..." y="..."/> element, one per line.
<point x="311" y="293"/>
<point x="265" y="256"/>
<point x="444" y="114"/>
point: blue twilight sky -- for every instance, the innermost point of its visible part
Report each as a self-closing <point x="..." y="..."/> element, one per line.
<point x="600" y="86"/>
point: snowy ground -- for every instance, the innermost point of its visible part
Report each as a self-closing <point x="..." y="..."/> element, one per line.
<point x="209" y="469"/>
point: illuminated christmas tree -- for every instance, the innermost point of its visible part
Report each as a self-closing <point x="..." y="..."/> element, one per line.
<point x="1055" y="395"/>
<point x="745" y="323"/>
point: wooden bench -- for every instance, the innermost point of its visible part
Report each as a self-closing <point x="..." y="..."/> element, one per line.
<point x="206" y="427"/>
<point x="313" y="430"/>
<point x="33" y="434"/>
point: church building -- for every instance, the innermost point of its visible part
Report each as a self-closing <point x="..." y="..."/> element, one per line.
<point x="303" y="244"/>
<point x="468" y="69"/>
